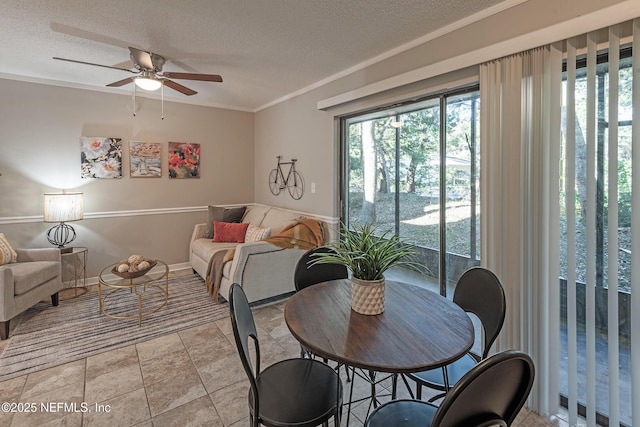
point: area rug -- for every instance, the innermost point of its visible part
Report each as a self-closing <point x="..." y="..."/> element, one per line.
<point x="49" y="336"/>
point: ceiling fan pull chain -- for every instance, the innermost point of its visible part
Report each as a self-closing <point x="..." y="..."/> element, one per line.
<point x="134" y="100"/>
<point x="162" y="99"/>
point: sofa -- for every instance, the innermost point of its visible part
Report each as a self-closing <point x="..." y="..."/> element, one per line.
<point x="36" y="275"/>
<point x="264" y="270"/>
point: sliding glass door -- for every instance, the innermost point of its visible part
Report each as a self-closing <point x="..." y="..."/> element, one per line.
<point x="413" y="170"/>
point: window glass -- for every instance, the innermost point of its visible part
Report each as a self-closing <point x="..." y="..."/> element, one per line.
<point x="414" y="168"/>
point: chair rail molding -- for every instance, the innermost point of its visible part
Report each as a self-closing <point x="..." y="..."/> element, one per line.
<point x="108" y="214"/>
<point x="143" y="212"/>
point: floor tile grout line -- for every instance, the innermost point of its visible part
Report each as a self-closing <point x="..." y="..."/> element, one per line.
<point x="146" y="395"/>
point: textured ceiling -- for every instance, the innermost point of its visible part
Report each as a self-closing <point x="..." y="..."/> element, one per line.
<point x="264" y="49"/>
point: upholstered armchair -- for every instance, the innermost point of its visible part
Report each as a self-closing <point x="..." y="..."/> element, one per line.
<point x="37" y="275"/>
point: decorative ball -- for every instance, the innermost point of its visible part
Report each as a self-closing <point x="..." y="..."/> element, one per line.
<point x="123" y="268"/>
<point x="136" y="259"/>
<point x="133" y="268"/>
<point x="144" y="265"/>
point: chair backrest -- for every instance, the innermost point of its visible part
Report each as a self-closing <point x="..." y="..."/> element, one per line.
<point x="244" y="328"/>
<point x="492" y="393"/>
<point x="479" y="291"/>
<point x="306" y="275"/>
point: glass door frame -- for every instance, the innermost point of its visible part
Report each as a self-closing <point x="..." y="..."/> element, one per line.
<point x="405" y="107"/>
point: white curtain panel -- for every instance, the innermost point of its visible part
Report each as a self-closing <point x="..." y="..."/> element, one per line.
<point x="520" y="132"/>
<point x="523" y="119"/>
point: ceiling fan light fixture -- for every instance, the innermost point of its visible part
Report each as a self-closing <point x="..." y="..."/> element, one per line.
<point x="147" y="83"/>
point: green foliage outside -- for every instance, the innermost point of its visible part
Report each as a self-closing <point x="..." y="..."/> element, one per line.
<point x="407" y="164"/>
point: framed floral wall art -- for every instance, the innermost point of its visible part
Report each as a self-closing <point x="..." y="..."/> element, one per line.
<point x="100" y="157"/>
<point x="184" y="160"/>
<point x="145" y="160"/>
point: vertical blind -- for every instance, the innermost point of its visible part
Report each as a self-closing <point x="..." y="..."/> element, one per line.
<point x="612" y="295"/>
<point x="595" y="387"/>
<point x="635" y="229"/>
<point x="553" y="152"/>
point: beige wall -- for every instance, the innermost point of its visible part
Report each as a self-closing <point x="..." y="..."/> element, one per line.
<point x="295" y="130"/>
<point x="40" y="152"/>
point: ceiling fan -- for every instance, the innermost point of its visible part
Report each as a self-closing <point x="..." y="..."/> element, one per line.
<point x="148" y="67"/>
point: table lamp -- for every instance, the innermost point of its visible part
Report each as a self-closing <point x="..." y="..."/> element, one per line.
<point x="62" y="207"/>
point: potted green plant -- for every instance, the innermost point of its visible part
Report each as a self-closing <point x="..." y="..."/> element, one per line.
<point x="367" y="254"/>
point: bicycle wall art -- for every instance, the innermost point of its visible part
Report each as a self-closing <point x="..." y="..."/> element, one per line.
<point x="292" y="181"/>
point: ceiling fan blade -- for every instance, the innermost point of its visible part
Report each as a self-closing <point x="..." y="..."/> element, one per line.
<point x="177" y="86"/>
<point x="95" y="65"/>
<point x="121" y="82"/>
<point x="141" y="58"/>
<point x="192" y="76"/>
<point x="146" y="60"/>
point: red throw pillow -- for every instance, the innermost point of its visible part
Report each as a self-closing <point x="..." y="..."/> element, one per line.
<point x="229" y="231"/>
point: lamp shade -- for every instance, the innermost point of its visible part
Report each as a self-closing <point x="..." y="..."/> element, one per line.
<point x="63" y="207"/>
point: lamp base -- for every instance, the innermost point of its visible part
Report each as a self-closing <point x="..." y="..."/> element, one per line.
<point x="61" y="235"/>
<point x="66" y="249"/>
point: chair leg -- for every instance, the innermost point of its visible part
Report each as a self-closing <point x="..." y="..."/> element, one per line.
<point x="4" y="330"/>
<point x="353" y="372"/>
<point x="445" y="376"/>
<point x="406" y="384"/>
<point x="55" y="299"/>
<point x="394" y="386"/>
<point x="436" y="397"/>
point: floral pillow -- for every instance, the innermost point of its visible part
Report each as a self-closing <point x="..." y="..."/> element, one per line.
<point x="255" y="234"/>
<point x="7" y="254"/>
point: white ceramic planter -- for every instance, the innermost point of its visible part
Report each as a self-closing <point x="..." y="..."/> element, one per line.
<point x="367" y="296"/>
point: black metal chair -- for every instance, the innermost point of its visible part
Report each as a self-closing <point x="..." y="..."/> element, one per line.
<point x="307" y="275"/>
<point x="478" y="291"/>
<point x="292" y="392"/>
<point x="490" y="394"/>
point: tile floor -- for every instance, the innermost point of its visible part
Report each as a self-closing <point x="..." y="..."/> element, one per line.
<point x="190" y="378"/>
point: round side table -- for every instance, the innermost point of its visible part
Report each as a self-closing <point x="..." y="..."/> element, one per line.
<point x="74" y="268"/>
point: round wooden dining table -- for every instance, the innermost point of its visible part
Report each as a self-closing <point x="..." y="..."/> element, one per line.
<point x="418" y="330"/>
